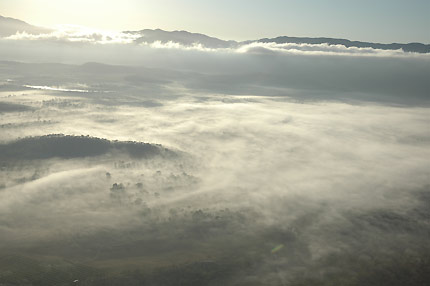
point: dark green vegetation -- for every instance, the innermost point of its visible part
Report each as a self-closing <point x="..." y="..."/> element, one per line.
<point x="66" y="146"/>
<point x="225" y="247"/>
<point x="118" y="226"/>
<point x="11" y="107"/>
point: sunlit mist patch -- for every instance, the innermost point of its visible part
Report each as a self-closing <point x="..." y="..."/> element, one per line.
<point x="52" y="88"/>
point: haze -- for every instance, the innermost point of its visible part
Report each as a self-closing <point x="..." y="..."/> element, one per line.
<point x="384" y="21"/>
<point x="134" y="156"/>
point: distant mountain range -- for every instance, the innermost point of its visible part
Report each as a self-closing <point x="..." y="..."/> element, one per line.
<point x="10" y="26"/>
<point x="410" y="47"/>
<point x="182" y="37"/>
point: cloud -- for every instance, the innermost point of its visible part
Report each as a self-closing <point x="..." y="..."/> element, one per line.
<point x="260" y="48"/>
<point x="321" y="50"/>
<point x="309" y="147"/>
<point x="56" y="88"/>
<point x="179" y="46"/>
<point x="323" y="179"/>
<point x="78" y="34"/>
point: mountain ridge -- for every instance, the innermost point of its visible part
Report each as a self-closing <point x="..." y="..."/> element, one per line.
<point x="407" y="47"/>
<point x="188" y="38"/>
<point x="10" y="26"/>
<point x="181" y="37"/>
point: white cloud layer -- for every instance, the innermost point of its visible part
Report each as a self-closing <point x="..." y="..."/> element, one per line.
<point x="78" y="34"/>
<point x="290" y="158"/>
<point x="322" y="49"/>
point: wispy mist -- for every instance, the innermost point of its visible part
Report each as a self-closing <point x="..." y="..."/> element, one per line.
<point x="260" y="164"/>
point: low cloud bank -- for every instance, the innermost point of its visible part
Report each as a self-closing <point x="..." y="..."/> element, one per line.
<point x="296" y="166"/>
<point x="77" y="34"/>
<point x="272" y="187"/>
<point x="181" y="40"/>
<point x="321" y="49"/>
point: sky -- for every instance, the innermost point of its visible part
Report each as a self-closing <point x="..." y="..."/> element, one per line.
<point x="366" y="20"/>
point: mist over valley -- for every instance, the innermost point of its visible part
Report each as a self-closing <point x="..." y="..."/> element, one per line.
<point x="171" y="158"/>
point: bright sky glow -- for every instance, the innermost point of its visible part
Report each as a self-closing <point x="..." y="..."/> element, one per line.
<point x="366" y="20"/>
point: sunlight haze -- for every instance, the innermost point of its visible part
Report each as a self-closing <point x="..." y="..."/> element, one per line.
<point x="243" y="143"/>
<point x="381" y="21"/>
